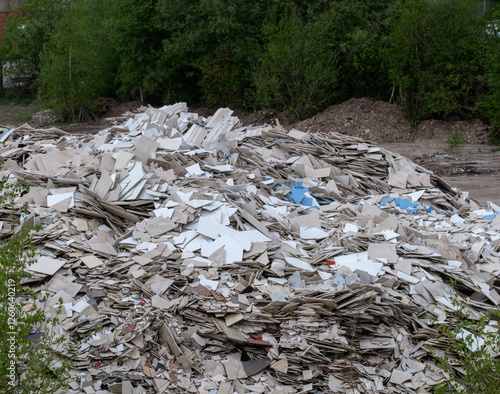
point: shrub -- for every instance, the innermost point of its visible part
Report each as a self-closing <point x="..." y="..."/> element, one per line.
<point x="455" y="140"/>
<point x="28" y="363"/>
<point x="473" y="345"/>
<point x="355" y="29"/>
<point x="218" y="80"/>
<point x="297" y="72"/>
<point x="490" y="104"/>
<point x="209" y="49"/>
<point x="436" y="55"/>
<point x="26" y="33"/>
<point x="77" y="62"/>
<point x="136" y="42"/>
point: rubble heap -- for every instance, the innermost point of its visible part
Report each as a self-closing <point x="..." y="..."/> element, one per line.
<point x="196" y="255"/>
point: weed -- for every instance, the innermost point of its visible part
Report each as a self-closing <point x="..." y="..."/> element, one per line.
<point x="455" y="141"/>
<point x="24" y="117"/>
<point x="470" y="361"/>
<point x="495" y="150"/>
<point x="28" y="332"/>
<point x="13" y="100"/>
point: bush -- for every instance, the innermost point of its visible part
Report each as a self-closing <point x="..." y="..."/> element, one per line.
<point x="218" y="80"/>
<point x="209" y="49"/>
<point x="436" y="56"/>
<point x="298" y="72"/>
<point x="28" y="363"/>
<point x="25" y="35"/>
<point x="490" y="103"/>
<point x="455" y="140"/>
<point x="363" y="68"/>
<point x="471" y="359"/>
<point x="136" y="42"/>
<point x="356" y="31"/>
<point x="77" y="62"/>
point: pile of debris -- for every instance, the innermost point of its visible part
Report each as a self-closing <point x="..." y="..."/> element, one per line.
<point x="45" y="117"/>
<point x="195" y="255"/>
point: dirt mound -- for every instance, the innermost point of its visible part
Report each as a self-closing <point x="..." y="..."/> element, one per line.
<point x="380" y="122"/>
<point x="372" y="120"/>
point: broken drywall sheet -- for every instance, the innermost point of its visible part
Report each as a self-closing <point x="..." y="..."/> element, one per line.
<point x="200" y="255"/>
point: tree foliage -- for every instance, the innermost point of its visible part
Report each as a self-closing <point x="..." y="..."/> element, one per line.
<point x="472" y="344"/>
<point x="489" y="104"/>
<point x="77" y="63"/>
<point x="25" y="36"/>
<point x="435" y="57"/>
<point x="133" y="34"/>
<point x="298" y="72"/>
<point x="210" y="48"/>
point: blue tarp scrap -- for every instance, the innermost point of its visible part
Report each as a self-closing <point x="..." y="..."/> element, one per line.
<point x="410" y="206"/>
<point x="387" y="200"/>
<point x="411" y="211"/>
<point x="404" y="203"/>
<point x="489" y="217"/>
<point x="297" y="194"/>
<point x="307" y="201"/>
<point x="35" y="336"/>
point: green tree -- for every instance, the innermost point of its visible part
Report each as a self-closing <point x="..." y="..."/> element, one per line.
<point x="490" y="103"/>
<point x="187" y="37"/>
<point x="77" y="63"/>
<point x="210" y="48"/>
<point x="137" y="45"/>
<point x="354" y="29"/>
<point x="227" y="71"/>
<point x="298" y="71"/>
<point x="25" y="35"/>
<point x="436" y="55"/>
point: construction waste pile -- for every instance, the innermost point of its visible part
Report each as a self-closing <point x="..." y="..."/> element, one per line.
<point x="194" y="255"/>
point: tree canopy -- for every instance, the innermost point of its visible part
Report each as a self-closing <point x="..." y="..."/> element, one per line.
<point x="436" y="58"/>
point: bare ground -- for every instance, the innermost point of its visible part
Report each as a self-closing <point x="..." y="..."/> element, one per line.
<point x="16" y="115"/>
<point x="475" y="167"/>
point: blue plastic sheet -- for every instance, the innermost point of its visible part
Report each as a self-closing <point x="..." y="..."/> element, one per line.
<point x="387" y="200"/>
<point x="296" y="195"/>
<point x="410" y="206"/>
<point x="404" y="203"/>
